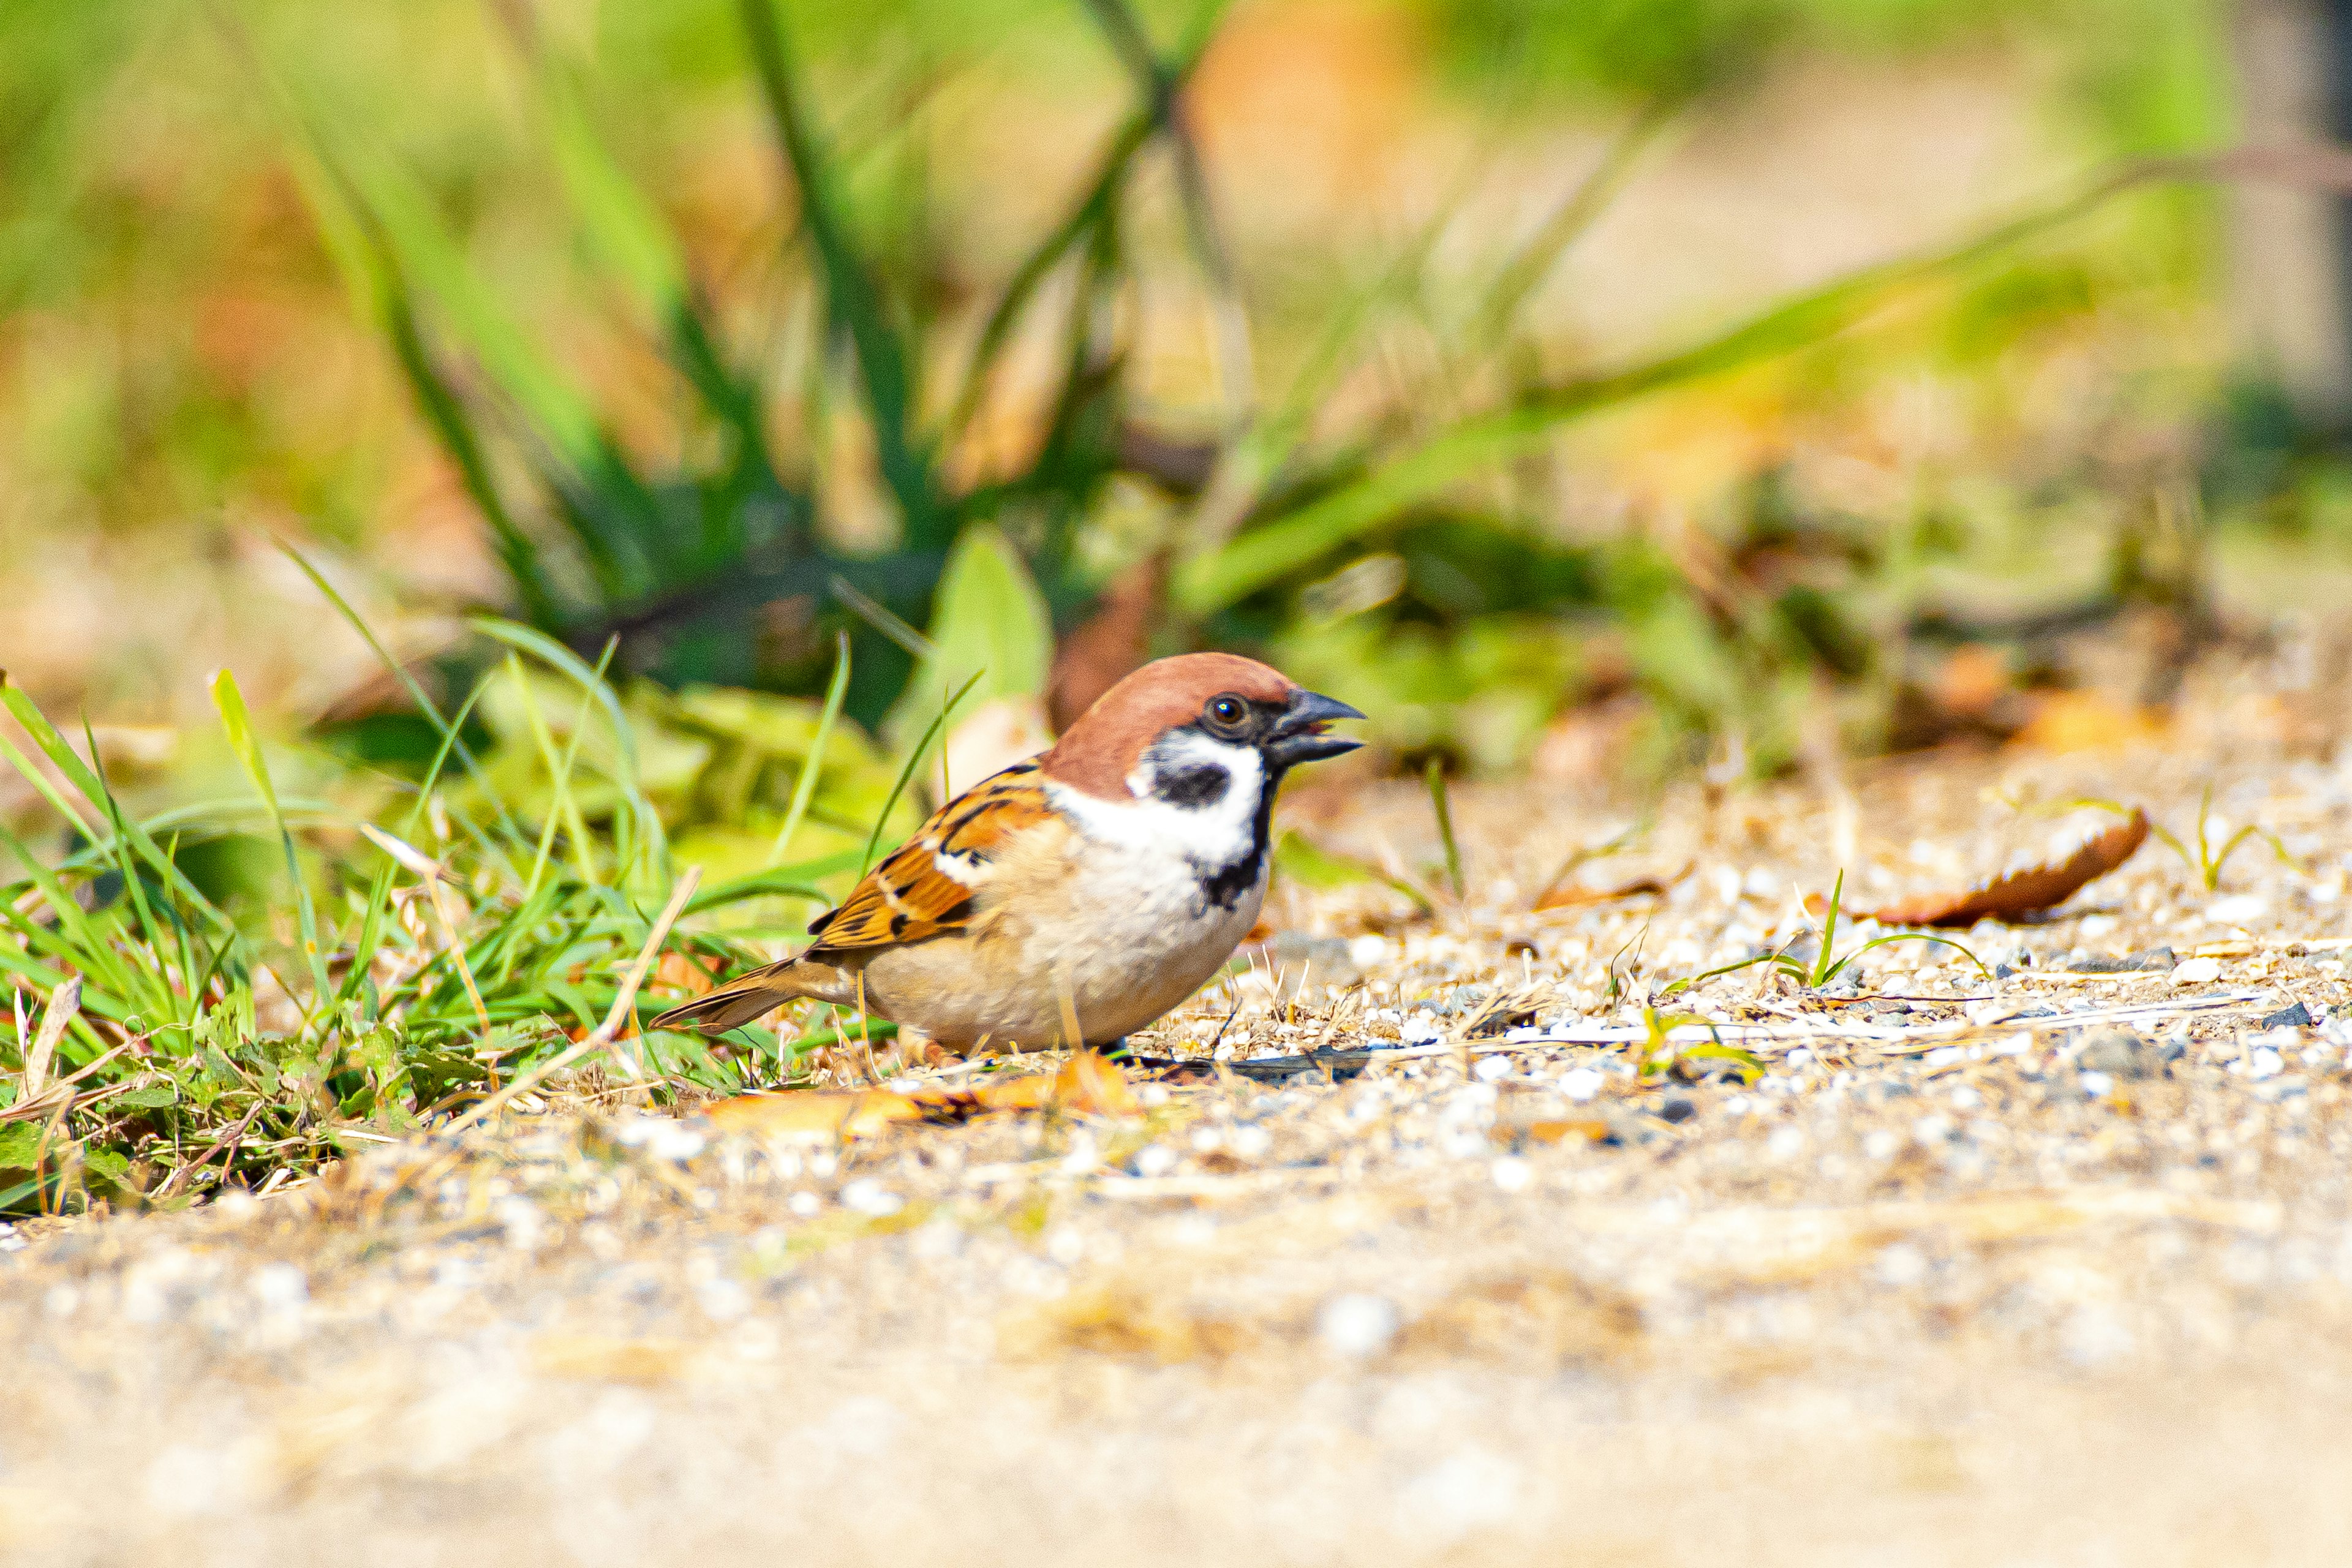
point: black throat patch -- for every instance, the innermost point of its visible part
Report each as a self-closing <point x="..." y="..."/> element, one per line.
<point x="1223" y="887"/>
<point x="1193" y="785"/>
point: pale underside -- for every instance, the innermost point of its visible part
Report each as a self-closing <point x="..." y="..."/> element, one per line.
<point x="1118" y="945"/>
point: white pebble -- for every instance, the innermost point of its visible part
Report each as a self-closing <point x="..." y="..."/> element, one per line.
<point x="1901" y="1264"/>
<point x="1580" y="1084"/>
<point x="1419" y="1029"/>
<point x="1492" y="1067"/>
<point x="2265" y="1062"/>
<point x="280" y="1286"/>
<point x="1512" y="1174"/>
<point x="804" y="1203"/>
<point x="2015" y="1044"/>
<point x="1786" y="1143"/>
<point x="1799" y="1057"/>
<point x="1358" y="1325"/>
<point x="867" y="1196"/>
<point x="1250" y="1143"/>
<point x="1943" y="1056"/>
<point x="1154" y="1159"/>
<point x="1932" y="1129"/>
<point x="1881" y="1145"/>
<point x="2197" y="972"/>
<point x="2240" y="909"/>
<point x="1965" y="1097"/>
<point x="2098" y="1085"/>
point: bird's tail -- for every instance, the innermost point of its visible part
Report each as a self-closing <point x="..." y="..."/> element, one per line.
<point x="754" y="995"/>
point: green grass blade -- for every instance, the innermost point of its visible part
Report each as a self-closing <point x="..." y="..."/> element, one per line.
<point x="1212" y="581"/>
<point x="230" y="702"/>
<point x="812" y="765"/>
<point x="853" y="299"/>
<point x="914" y="758"/>
<point x="1435" y="774"/>
<point x="1498" y="311"/>
<point x="1100" y="198"/>
<point x="1821" y="966"/>
<point x="77" y="773"/>
<point x="451" y="731"/>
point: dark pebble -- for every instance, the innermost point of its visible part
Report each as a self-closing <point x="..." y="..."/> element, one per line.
<point x="1679" y="1107"/>
<point x="2297" y="1016"/>
<point x="2119" y="1053"/>
<point x="2150" y="959"/>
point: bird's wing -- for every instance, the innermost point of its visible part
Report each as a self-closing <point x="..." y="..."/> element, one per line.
<point x="928" y="885"/>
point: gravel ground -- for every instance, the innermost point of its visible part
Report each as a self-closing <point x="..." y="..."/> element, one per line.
<point x="1966" y="1276"/>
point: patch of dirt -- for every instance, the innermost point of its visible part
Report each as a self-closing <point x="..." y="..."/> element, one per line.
<point x="2051" y="1263"/>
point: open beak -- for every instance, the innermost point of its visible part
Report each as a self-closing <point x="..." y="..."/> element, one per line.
<point x="1298" y="734"/>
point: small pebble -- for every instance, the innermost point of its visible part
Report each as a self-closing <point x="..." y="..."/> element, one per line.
<point x="2197" y="972"/>
<point x="867" y="1196"/>
<point x="1512" y="1174"/>
<point x="1580" y="1084"/>
<point x="1358" y="1326"/>
<point x="1492" y="1067"/>
<point x="2295" y="1016"/>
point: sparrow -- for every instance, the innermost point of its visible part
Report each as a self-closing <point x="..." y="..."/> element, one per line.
<point x="1102" y="881"/>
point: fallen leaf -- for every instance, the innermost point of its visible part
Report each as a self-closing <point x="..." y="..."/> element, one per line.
<point x="1087" y="1085"/>
<point x="593" y="1358"/>
<point x="2086" y="721"/>
<point x="1550" y="1129"/>
<point x="1584" y="898"/>
<point x="2015" y="894"/>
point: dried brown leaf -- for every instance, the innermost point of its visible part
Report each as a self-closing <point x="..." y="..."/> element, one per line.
<point x="1584" y="898"/>
<point x="1087" y="1085"/>
<point x="2015" y="894"/>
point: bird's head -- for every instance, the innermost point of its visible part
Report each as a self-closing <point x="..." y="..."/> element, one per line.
<point x="1183" y="730"/>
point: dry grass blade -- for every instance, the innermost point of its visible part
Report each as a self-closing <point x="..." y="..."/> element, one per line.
<point x="2014" y="895"/>
<point x="65" y="1005"/>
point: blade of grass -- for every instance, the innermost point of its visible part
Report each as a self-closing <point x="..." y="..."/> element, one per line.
<point x="853" y="299"/>
<point x="1210" y="582"/>
<point x="1435" y="774"/>
<point x="77" y="773"/>
<point x="812" y="765"/>
<point x="230" y="702"/>
<point x="1822" y="969"/>
<point x="906" y="773"/>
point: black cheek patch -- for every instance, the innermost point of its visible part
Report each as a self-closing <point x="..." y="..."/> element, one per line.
<point x="1203" y="783"/>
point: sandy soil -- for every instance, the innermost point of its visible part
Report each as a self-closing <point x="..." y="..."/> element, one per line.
<point x="1966" y="1277"/>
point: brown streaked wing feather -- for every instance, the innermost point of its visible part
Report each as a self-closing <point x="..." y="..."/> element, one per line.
<point x="910" y="896"/>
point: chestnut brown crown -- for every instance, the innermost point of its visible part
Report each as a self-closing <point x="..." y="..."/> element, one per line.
<point x="1097" y="752"/>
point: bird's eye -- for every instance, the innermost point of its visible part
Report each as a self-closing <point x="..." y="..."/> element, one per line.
<point x="1227" y="712"/>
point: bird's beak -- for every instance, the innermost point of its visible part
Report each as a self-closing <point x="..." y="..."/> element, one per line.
<point x="1298" y="734"/>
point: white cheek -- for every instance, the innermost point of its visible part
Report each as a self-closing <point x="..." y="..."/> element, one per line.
<point x="1208" y="837"/>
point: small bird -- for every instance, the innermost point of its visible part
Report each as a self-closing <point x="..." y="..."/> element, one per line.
<point x="1100" y="883"/>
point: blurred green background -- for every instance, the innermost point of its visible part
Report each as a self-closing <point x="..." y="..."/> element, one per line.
<point x="1516" y="369"/>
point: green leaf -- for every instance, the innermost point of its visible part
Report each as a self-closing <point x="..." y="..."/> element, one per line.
<point x="990" y="622"/>
<point x="154" y="1097"/>
<point x="20" y="1145"/>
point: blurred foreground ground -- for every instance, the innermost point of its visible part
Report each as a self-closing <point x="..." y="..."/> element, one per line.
<point x="1897" y="1302"/>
